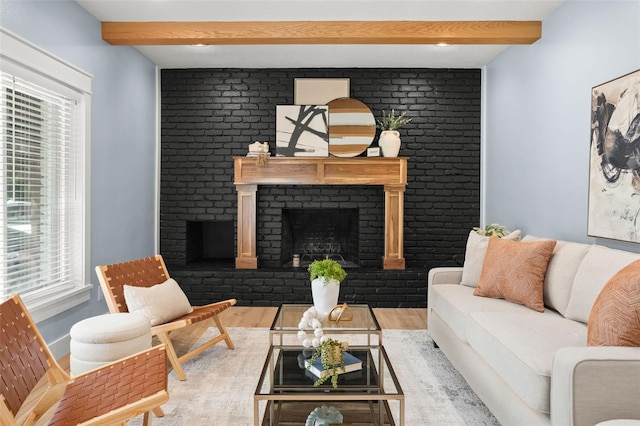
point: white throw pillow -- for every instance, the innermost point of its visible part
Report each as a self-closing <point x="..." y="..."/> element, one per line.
<point x="596" y="269"/>
<point x="160" y="303"/>
<point x="474" y="256"/>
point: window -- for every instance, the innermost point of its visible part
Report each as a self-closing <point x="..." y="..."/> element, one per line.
<point x="43" y="250"/>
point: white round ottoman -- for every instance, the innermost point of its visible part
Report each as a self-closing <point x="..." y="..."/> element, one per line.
<point x="100" y="340"/>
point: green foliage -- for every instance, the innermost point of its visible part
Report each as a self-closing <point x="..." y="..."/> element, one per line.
<point x="493" y="229"/>
<point x="331" y="361"/>
<point x="391" y="122"/>
<point x="327" y="268"/>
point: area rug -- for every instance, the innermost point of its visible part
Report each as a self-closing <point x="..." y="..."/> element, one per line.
<point x="220" y="383"/>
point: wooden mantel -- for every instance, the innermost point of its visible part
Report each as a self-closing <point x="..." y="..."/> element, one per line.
<point x="388" y="172"/>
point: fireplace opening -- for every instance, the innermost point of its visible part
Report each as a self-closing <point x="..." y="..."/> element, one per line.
<point x="319" y="233"/>
<point x="211" y="242"/>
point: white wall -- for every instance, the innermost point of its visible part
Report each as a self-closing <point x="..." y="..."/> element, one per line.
<point x="537" y="117"/>
<point x="123" y="145"/>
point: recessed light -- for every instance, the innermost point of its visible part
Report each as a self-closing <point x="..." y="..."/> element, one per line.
<point x="442" y="44"/>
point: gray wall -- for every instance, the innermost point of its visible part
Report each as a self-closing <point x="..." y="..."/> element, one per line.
<point x="537" y="129"/>
<point x="123" y="136"/>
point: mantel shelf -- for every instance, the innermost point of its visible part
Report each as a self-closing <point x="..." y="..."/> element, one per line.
<point x="388" y="172"/>
<point x="322" y="171"/>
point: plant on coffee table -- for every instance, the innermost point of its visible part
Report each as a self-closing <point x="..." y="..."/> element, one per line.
<point x="327" y="270"/>
<point x="331" y="353"/>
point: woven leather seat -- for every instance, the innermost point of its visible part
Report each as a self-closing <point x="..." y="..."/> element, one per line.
<point x="107" y="395"/>
<point x="148" y="272"/>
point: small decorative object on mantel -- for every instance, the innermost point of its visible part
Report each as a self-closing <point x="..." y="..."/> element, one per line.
<point x="340" y="313"/>
<point x="389" y="140"/>
<point x="324" y="416"/>
<point x="325" y="275"/>
<point x="261" y="151"/>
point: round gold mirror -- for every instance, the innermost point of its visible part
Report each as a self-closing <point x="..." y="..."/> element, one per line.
<point x="352" y="127"/>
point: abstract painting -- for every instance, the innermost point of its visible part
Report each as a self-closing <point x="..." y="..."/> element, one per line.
<point x="302" y="130"/>
<point x="614" y="173"/>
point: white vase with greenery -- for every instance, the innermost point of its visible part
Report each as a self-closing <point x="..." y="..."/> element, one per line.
<point x="326" y="276"/>
<point x="389" y="141"/>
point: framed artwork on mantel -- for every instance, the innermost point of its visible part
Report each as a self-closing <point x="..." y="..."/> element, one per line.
<point x="614" y="170"/>
<point x="319" y="91"/>
<point x="302" y="130"/>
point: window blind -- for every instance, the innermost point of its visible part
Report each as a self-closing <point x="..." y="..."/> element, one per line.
<point x="40" y="224"/>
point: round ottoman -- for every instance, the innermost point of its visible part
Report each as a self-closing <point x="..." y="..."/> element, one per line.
<point x="106" y="338"/>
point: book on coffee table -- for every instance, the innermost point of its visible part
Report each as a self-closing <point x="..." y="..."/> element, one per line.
<point x="351" y="363"/>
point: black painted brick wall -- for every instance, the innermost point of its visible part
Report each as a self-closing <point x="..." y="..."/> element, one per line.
<point x="211" y="115"/>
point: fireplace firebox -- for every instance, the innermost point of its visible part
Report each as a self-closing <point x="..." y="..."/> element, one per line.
<point x="318" y="233"/>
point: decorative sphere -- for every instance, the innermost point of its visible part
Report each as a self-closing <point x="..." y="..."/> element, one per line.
<point x="312" y="311"/>
<point x="307" y="315"/>
<point x="318" y="332"/>
<point x="302" y="325"/>
<point x="307" y="343"/>
<point x="315" y="323"/>
<point x="302" y="335"/>
<point x="324" y="339"/>
<point x="315" y="342"/>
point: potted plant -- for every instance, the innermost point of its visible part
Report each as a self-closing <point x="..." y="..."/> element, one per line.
<point x="389" y="140"/>
<point x="493" y="229"/>
<point x="326" y="276"/>
<point x="331" y="353"/>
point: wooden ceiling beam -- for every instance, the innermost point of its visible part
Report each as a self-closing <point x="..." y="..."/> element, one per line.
<point x="321" y="32"/>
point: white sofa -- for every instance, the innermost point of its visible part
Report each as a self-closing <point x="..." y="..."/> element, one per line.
<point x="534" y="367"/>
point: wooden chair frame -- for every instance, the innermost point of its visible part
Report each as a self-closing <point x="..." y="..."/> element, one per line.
<point x="107" y="395"/>
<point x="148" y="272"/>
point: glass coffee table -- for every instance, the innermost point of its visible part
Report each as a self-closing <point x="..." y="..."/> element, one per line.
<point x="369" y="396"/>
<point x="288" y="317"/>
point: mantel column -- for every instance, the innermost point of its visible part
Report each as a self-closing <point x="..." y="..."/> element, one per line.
<point x="247" y="258"/>
<point x="394" y="227"/>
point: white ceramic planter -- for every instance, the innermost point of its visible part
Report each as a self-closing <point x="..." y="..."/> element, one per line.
<point x="325" y="297"/>
<point x="389" y="143"/>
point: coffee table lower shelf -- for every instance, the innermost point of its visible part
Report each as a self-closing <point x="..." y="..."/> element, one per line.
<point x="355" y="413"/>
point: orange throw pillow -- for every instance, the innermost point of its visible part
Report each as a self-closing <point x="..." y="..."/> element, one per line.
<point x="615" y="316"/>
<point x="515" y="271"/>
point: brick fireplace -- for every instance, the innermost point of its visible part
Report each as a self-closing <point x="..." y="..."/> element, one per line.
<point x="209" y="116"/>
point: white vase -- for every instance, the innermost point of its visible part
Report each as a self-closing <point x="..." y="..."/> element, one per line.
<point x="325" y="297"/>
<point x="389" y="143"/>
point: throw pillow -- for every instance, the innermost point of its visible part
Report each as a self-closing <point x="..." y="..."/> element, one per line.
<point x="474" y="256"/>
<point x="615" y="317"/>
<point x="515" y="271"/>
<point x="160" y="303"/>
<point x="595" y="270"/>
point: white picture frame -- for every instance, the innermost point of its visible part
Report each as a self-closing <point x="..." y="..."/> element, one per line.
<point x="319" y="91"/>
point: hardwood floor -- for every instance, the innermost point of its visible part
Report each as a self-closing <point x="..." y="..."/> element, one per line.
<point x="394" y="318"/>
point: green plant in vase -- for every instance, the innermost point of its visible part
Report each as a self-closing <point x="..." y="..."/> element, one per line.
<point x="493" y="229"/>
<point x="331" y="354"/>
<point x="327" y="269"/>
<point x="325" y="275"/>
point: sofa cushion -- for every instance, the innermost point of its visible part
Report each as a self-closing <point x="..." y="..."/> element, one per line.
<point x="561" y="271"/>
<point x="515" y="271"/>
<point x="454" y="302"/>
<point x="597" y="267"/>
<point x="474" y="256"/>
<point x="615" y="317"/>
<point x="520" y="348"/>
